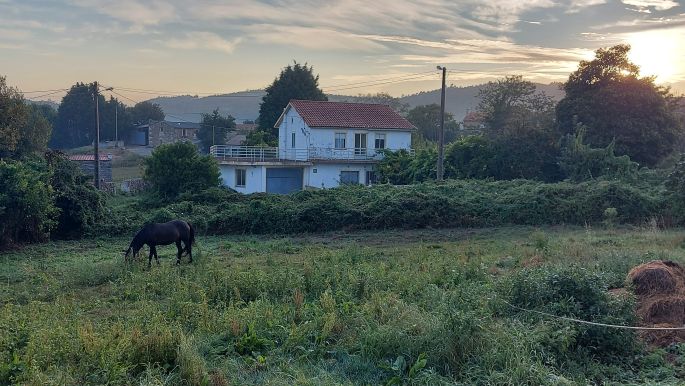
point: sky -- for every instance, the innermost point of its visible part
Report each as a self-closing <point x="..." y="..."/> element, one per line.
<point x="356" y="46"/>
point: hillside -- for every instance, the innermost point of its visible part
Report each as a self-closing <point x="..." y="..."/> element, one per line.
<point x="245" y="105"/>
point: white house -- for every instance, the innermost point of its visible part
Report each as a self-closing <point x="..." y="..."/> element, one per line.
<point x="320" y="145"/>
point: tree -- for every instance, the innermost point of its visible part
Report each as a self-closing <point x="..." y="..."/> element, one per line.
<point x="427" y="120"/>
<point x="380" y="98"/>
<point x="214" y="128"/>
<point x="13" y="117"/>
<point x="115" y="120"/>
<point x="75" y="124"/>
<point x="142" y="112"/>
<point x="177" y="168"/>
<point x="607" y="96"/>
<point x="36" y="133"/>
<point x="296" y="81"/>
<point x="24" y="128"/>
<point x="512" y="105"/>
<point x="80" y="204"/>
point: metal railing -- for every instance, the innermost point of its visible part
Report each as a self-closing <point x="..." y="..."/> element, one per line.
<point x="255" y="153"/>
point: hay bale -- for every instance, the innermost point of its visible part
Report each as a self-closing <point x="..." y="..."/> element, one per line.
<point x="656" y="277"/>
<point x="660" y="310"/>
<point x="660" y="290"/>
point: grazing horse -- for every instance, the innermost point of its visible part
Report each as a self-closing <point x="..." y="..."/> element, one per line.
<point x="175" y="231"/>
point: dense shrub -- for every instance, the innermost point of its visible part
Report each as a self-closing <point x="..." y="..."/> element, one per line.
<point x="178" y="167"/>
<point x="27" y="210"/>
<point x="80" y="204"/>
<point x="463" y="203"/>
<point x="577" y="293"/>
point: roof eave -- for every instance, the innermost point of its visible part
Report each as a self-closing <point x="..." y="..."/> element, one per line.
<point x="282" y="116"/>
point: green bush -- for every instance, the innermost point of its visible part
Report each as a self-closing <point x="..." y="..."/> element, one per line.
<point x="178" y="167"/>
<point x="80" y="204"/>
<point x="577" y="293"/>
<point x="27" y="209"/>
<point x="462" y="203"/>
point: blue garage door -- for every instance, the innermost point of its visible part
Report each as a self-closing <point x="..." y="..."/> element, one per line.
<point x="283" y="180"/>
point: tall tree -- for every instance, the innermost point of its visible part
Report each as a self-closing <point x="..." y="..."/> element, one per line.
<point x="36" y="133"/>
<point x="142" y="112"/>
<point x="75" y="124"/>
<point x="296" y="81"/>
<point x="13" y="117"/>
<point x="608" y="97"/>
<point x="427" y="121"/>
<point x="214" y="128"/>
<point x="115" y="120"/>
<point x="512" y="105"/>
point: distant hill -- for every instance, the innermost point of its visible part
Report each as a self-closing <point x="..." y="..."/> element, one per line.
<point x="245" y="105"/>
<point x="242" y="106"/>
<point x="460" y="100"/>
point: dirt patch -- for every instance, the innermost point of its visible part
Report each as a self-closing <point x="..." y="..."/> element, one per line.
<point x="660" y="290"/>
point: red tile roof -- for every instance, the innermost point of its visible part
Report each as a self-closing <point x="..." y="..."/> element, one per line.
<point x="88" y="157"/>
<point x="351" y="115"/>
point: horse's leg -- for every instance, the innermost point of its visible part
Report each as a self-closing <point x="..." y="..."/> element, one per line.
<point x="156" y="256"/>
<point x="178" y="254"/>
<point x="149" y="258"/>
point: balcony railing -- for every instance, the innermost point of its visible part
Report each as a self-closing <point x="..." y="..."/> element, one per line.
<point x="256" y="154"/>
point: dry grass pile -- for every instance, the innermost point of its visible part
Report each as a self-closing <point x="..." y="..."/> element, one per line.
<point x="660" y="290"/>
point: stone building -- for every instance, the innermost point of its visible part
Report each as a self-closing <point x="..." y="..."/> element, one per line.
<point x="87" y="164"/>
<point x="161" y="132"/>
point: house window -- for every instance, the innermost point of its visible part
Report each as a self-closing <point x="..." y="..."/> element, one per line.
<point x="314" y="171"/>
<point x="240" y="177"/>
<point x="292" y="140"/>
<point x="340" y="140"/>
<point x="380" y="141"/>
<point x="349" y="177"/>
<point x="184" y="133"/>
<point x="360" y="144"/>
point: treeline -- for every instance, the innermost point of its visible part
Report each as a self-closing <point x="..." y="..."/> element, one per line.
<point x="610" y="123"/>
<point x="74" y="124"/>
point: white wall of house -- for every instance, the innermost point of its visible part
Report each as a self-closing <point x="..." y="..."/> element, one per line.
<point x="255" y="178"/>
<point x="328" y="175"/>
<point x="293" y="124"/>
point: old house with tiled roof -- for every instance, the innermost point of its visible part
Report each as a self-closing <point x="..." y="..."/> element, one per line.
<point x="320" y="145"/>
<point x="87" y="164"/>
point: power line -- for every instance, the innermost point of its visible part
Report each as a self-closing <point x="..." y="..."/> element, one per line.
<point x="329" y="90"/>
<point x="378" y="80"/>
<point x="48" y="94"/>
<point x="35" y="92"/>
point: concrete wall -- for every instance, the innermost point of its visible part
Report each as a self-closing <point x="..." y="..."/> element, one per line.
<point x="328" y="175"/>
<point x="255" y="178"/>
<point x="293" y="123"/>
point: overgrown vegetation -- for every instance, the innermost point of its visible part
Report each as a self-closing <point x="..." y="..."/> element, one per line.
<point x="337" y="309"/>
<point x="464" y="203"/>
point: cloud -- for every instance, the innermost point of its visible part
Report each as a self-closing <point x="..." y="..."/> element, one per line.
<point x="659" y="5"/>
<point x="135" y="12"/>
<point x="204" y="40"/>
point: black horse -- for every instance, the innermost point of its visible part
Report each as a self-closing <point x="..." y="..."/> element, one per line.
<point x="175" y="231"/>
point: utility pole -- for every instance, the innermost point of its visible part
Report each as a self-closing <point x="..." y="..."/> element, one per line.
<point x="441" y="136"/>
<point x="116" y="125"/>
<point x="97" y="136"/>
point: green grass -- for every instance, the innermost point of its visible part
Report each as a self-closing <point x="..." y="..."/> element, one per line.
<point x="337" y="308"/>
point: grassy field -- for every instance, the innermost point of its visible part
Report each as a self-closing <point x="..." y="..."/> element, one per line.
<point x="395" y="307"/>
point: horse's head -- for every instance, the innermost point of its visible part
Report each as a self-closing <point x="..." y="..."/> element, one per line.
<point x="132" y="248"/>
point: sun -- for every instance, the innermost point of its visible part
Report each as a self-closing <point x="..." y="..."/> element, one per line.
<point x="658" y="53"/>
